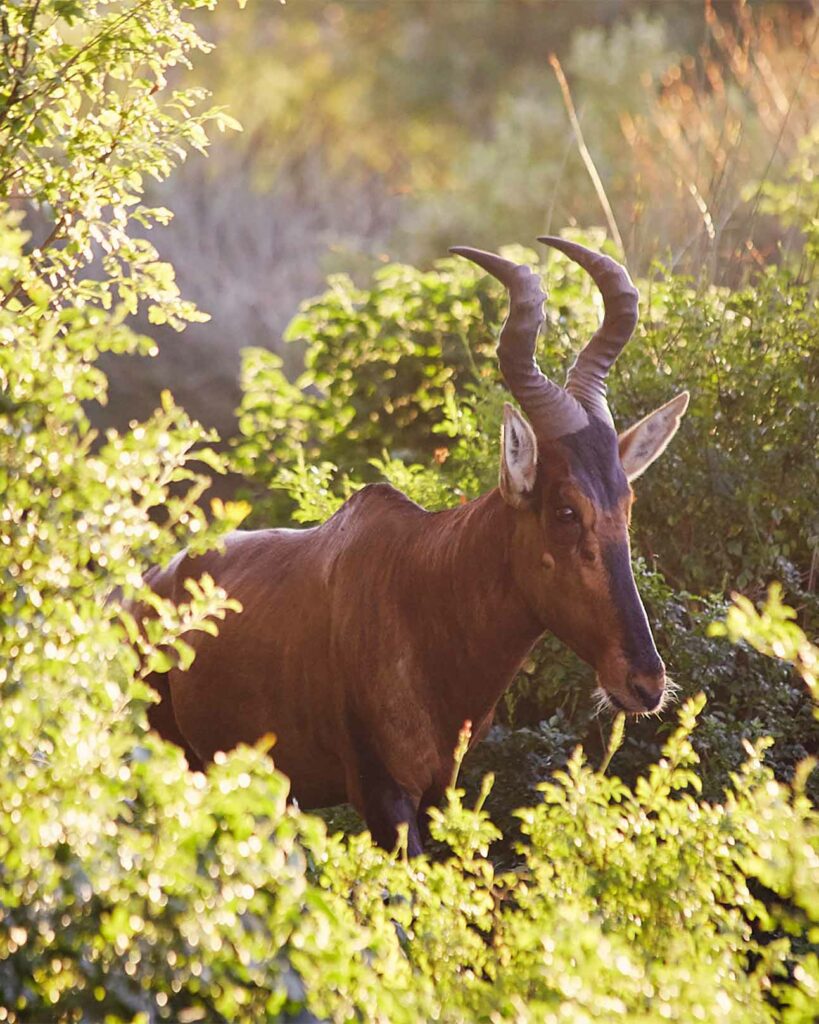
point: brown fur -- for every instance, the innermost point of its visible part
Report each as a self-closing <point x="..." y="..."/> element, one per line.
<point x="366" y="642"/>
<point x="378" y="615"/>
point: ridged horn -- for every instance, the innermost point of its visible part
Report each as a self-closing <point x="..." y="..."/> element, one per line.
<point x="586" y="380"/>
<point x="552" y="411"/>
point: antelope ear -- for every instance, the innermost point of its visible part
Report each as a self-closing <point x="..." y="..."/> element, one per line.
<point x="518" y="467"/>
<point x="646" y="441"/>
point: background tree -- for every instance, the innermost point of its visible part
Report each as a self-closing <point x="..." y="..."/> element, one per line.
<point x="350" y="158"/>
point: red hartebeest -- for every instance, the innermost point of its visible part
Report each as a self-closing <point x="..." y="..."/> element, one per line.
<point x="366" y="642"/>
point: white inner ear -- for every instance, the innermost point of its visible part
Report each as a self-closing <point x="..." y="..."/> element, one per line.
<point x="646" y="441"/>
<point x="519" y="453"/>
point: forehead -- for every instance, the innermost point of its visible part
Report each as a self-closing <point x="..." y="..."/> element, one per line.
<point x="594" y="464"/>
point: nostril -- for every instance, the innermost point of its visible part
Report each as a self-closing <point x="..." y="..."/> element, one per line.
<point x="649" y="699"/>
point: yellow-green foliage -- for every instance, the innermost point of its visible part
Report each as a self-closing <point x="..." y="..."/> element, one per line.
<point x="134" y="890"/>
<point x="774" y="632"/>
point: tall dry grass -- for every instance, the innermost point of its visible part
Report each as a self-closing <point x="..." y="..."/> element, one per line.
<point x="723" y="122"/>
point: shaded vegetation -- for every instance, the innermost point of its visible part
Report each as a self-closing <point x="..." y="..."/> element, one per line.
<point x="678" y="880"/>
<point x="401" y="382"/>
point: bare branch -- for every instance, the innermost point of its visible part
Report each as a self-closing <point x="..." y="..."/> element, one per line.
<point x="585" y="154"/>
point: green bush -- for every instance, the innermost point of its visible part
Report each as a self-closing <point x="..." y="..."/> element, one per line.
<point x="408" y="366"/>
<point x="731" y="500"/>
<point x="381" y="369"/>
<point x="731" y="503"/>
<point x="132" y="889"/>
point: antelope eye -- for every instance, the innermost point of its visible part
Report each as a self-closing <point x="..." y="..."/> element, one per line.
<point x="566" y="514"/>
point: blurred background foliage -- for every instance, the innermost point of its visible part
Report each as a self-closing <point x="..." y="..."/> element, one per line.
<point x="377" y="131"/>
<point x="679" y="880"/>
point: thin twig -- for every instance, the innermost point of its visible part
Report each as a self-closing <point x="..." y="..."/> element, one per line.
<point x="23" y="40"/>
<point x="60" y="76"/>
<point x="764" y="179"/>
<point x="585" y="154"/>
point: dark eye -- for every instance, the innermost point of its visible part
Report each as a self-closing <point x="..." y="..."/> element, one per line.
<point x="566" y="514"/>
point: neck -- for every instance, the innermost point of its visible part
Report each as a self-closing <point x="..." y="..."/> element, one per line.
<point x="470" y="596"/>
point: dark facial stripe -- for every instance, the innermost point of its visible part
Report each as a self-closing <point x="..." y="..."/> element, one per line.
<point x="637" y="641"/>
<point x="595" y="465"/>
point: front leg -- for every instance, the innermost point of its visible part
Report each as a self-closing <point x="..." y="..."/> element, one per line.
<point x="383" y="804"/>
<point x="386" y="806"/>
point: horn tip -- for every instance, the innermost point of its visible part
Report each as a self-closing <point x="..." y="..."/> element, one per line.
<point x="558" y="243"/>
<point x="479" y="256"/>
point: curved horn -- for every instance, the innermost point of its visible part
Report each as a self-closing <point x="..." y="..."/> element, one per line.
<point x="587" y="377"/>
<point x="552" y="411"/>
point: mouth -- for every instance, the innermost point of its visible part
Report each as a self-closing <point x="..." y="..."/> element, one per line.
<point x="607" y="701"/>
<point x="618" y="704"/>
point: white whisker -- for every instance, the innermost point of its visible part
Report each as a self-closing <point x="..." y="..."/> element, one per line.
<point x="601" y="702"/>
<point x="670" y="693"/>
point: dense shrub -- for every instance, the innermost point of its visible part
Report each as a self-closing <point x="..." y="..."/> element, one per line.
<point x="730" y="503"/>
<point x="408" y="366"/>
<point x="132" y="889"/>
<point x="380" y="364"/>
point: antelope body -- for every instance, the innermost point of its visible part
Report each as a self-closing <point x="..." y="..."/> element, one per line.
<point x="366" y="642"/>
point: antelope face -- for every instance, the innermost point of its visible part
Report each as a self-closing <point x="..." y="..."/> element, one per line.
<point x="568" y="475"/>
<point x="573" y="497"/>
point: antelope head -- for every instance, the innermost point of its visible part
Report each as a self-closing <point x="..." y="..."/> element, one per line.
<point x="567" y="474"/>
